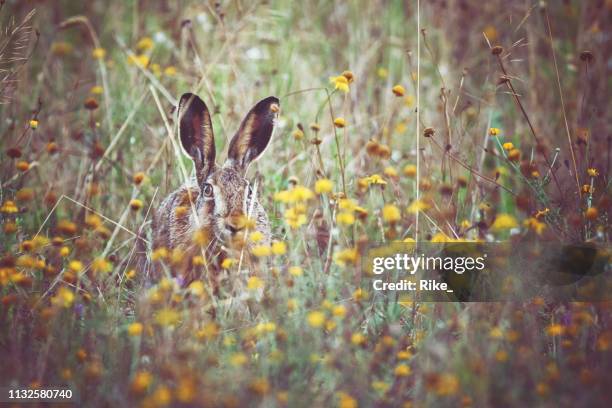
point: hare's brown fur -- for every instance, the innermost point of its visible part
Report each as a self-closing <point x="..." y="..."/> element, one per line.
<point x="215" y="203"/>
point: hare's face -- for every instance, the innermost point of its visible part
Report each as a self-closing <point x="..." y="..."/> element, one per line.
<point x="226" y="198"/>
<point x="232" y="202"/>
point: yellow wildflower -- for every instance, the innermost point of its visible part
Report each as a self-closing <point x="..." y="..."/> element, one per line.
<point x="292" y="304"/>
<point x="593" y="172"/>
<point x="555" y="330"/>
<point x="33" y="124"/>
<point x="417" y="205"/>
<point x="294" y="217"/>
<point x="167" y="317"/>
<point x="65" y="297"/>
<point x="75" y="266"/>
<point x="279" y="248"/>
<point x="340" y="82"/>
<point x="447" y="384"/>
<point x="160" y="254"/>
<point x="170" y="71"/>
<point x="238" y="359"/>
<point x="141" y="382"/>
<point x="98" y="53"/>
<point x="339" y="311"/>
<point x="346" y="256"/>
<point x="139" y="60"/>
<point x="296" y="271"/>
<point x="227" y="263"/>
<point x="135" y="329"/>
<point x="316" y="318"/>
<point x="496" y="333"/>
<point x="346" y="401"/>
<point x="358" y="339"/>
<point x="494" y="131"/>
<point x="323" y="186"/>
<point x="398" y="90"/>
<point x="197" y="288"/>
<point x="96" y="90"/>
<point x="402" y="370"/>
<point x="535" y="225"/>
<point x="345" y="217"/>
<point x="391" y="213"/>
<point x="339" y="122"/>
<point x="145" y="43"/>
<point x="261" y="251"/>
<point x="504" y="222"/>
<point x="390" y="172"/>
<point x="254" y="283"/>
<point x="101" y="265"/>
<point x="375" y="179"/>
<point x="256" y="236"/>
<point x="9" y="207"/>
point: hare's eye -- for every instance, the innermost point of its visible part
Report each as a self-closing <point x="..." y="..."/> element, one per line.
<point x="207" y="189"/>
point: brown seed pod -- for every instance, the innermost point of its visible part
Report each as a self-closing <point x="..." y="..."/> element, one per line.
<point x="498" y="49"/>
<point x="586" y="56"/>
<point x="13" y="152"/>
<point x="429" y="132"/>
<point x="91" y="104"/>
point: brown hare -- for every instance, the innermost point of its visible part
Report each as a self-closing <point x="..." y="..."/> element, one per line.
<point x="206" y="216"/>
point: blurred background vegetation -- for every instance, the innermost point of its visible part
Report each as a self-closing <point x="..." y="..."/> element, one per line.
<point x="88" y="93"/>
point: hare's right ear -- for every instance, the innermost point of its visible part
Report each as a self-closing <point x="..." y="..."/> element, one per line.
<point x="196" y="134"/>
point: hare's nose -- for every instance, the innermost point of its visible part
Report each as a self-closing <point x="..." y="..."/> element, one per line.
<point x="233" y="228"/>
<point x="234" y="223"/>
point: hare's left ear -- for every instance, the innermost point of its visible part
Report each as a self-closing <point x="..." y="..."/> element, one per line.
<point x="196" y="134"/>
<point x="254" y="134"/>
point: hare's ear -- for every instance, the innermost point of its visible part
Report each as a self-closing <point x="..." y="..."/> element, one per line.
<point x="254" y="134"/>
<point x="196" y="134"/>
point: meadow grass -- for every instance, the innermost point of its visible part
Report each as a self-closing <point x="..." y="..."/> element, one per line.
<point x="88" y="153"/>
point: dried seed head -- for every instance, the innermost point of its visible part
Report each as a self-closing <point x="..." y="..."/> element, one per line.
<point x="22" y="165"/>
<point x="425" y="184"/>
<point x="349" y="76"/>
<point x="298" y="134"/>
<point x="135" y="204"/>
<point x="138" y="178"/>
<point x="446" y="189"/>
<point x="429" y="132"/>
<point x="462" y="182"/>
<point x="372" y="147"/>
<point x="514" y="155"/>
<point x="586" y="56"/>
<point x="498" y="49"/>
<point x="13" y="152"/>
<point x="315" y="127"/>
<point x="384" y="151"/>
<point x="591" y="213"/>
<point x="52" y="147"/>
<point x="91" y="104"/>
<point x="50" y="198"/>
<point x="97" y="150"/>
